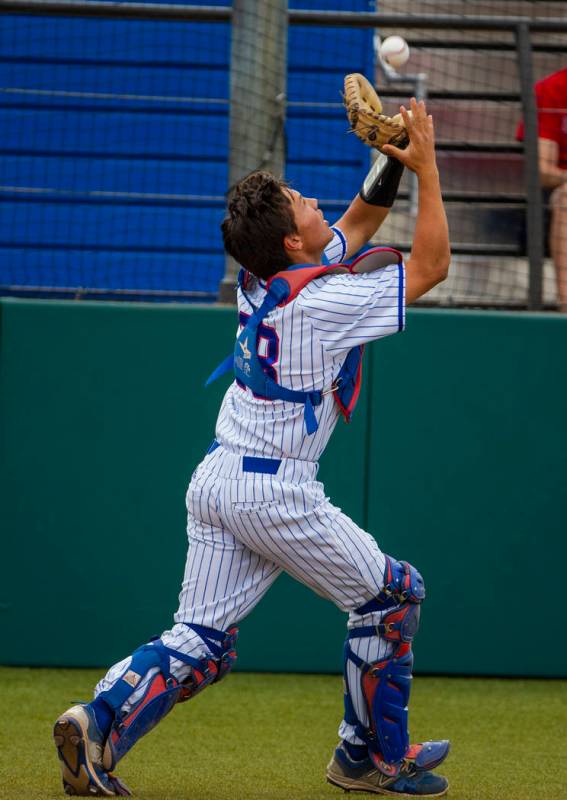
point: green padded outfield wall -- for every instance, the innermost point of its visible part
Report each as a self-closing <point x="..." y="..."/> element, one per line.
<point x="469" y="480"/>
<point x="103" y="418"/>
<point x="456" y="460"/>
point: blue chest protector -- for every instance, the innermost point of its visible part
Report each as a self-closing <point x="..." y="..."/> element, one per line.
<point x="282" y="288"/>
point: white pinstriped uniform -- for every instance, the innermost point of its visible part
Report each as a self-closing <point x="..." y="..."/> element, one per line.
<point x="245" y="528"/>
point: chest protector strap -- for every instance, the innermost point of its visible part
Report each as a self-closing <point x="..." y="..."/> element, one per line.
<point x="281" y="289"/>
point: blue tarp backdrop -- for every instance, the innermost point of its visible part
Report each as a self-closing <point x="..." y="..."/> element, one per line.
<point x="114" y="151"/>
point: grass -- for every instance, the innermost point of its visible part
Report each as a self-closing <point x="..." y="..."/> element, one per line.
<point x="270" y="736"/>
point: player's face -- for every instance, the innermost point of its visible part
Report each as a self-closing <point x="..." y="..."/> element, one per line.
<point x="312" y="227"/>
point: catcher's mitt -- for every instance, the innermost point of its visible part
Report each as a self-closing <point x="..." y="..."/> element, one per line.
<point x="364" y="112"/>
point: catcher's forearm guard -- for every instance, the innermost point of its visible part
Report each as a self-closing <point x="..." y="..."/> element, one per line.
<point x="380" y="186"/>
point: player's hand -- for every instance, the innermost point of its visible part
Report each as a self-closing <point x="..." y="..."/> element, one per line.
<point x="419" y="155"/>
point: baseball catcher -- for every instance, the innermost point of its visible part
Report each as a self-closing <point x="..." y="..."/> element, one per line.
<point x="255" y="508"/>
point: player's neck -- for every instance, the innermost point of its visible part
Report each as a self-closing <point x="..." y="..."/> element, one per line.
<point x="305" y="257"/>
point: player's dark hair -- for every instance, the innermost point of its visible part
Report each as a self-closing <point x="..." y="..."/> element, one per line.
<point x="259" y="216"/>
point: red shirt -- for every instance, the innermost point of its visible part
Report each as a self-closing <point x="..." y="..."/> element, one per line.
<point x="551" y="98"/>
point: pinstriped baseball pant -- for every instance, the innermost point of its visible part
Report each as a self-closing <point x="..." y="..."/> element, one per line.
<point x="244" y="529"/>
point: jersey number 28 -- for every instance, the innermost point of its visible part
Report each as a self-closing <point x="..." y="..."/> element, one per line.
<point x="268" y="348"/>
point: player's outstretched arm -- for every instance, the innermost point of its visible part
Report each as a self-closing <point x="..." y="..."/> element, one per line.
<point x="430" y="256"/>
<point x="360" y="222"/>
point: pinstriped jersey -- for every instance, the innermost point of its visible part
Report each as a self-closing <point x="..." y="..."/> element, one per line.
<point x="303" y="345"/>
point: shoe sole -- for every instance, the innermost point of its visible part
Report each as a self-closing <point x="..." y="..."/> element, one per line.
<point x="352" y="785"/>
<point x="78" y="773"/>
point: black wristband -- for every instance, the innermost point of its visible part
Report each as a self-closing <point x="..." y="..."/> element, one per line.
<point x="380" y="186"/>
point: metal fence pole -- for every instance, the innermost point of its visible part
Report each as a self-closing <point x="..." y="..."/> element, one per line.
<point x="258" y="71"/>
<point x="420" y="94"/>
<point x="534" y="206"/>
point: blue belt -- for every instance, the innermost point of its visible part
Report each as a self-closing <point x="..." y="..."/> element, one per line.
<point x="269" y="466"/>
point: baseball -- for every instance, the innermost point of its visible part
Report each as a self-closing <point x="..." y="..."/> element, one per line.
<point x="394" y="51"/>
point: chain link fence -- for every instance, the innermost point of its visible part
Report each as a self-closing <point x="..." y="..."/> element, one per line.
<point x="125" y="124"/>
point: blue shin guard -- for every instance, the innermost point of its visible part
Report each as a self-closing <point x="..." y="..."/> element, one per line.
<point x="386" y="684"/>
<point x="162" y="690"/>
<point x="386" y="689"/>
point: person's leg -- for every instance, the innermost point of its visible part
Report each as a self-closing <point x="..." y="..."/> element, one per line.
<point x="223" y="581"/>
<point x="378" y="675"/>
<point x="296" y="527"/>
<point x="558" y="242"/>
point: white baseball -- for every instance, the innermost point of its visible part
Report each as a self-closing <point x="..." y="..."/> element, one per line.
<point x="394" y="51"/>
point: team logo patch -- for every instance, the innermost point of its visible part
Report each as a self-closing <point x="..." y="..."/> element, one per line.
<point x="245" y="349"/>
<point x="242" y="362"/>
<point x="132" y="678"/>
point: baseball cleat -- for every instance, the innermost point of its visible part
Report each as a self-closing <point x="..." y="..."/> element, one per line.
<point x="362" y="776"/>
<point x="79" y="746"/>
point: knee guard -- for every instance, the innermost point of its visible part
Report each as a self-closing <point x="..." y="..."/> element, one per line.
<point x="402" y="584"/>
<point x="386" y="684"/>
<point x="163" y="690"/>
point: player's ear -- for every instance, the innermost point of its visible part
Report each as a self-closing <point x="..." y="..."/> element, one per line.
<point x="292" y="242"/>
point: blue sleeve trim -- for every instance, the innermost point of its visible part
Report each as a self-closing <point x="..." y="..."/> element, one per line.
<point x="342" y="238"/>
<point x="401" y="303"/>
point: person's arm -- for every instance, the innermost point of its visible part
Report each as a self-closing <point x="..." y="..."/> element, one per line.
<point x="370" y="207"/>
<point x="360" y="222"/>
<point x="430" y="256"/>
<point x="551" y="175"/>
